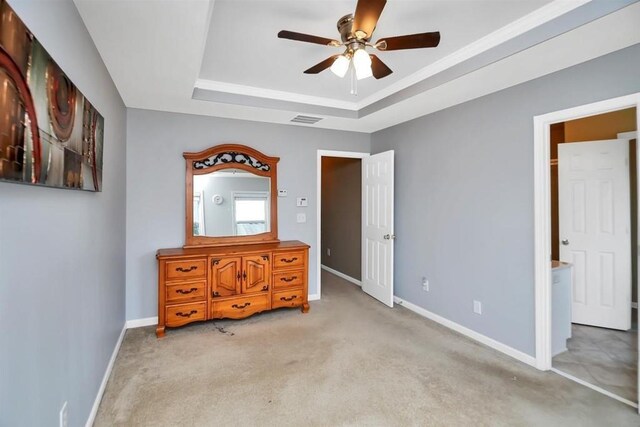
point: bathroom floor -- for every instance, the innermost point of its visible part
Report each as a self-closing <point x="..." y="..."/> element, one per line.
<point x="603" y="357"/>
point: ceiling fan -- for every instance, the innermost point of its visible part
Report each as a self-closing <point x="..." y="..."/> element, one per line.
<point x="356" y="31"/>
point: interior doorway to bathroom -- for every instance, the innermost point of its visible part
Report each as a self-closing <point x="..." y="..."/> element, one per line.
<point x="594" y="251"/>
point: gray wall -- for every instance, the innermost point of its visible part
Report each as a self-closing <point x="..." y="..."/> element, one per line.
<point x="464" y="196"/>
<point x="156" y="175"/>
<point x="62" y="254"/>
<point x="341" y="214"/>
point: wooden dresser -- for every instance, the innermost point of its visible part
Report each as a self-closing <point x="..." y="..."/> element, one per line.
<point x="233" y="281"/>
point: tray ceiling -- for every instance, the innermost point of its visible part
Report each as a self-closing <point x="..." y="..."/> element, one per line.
<point x="223" y="58"/>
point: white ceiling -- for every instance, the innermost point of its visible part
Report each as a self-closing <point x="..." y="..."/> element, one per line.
<point x="242" y="46"/>
<point x="159" y="51"/>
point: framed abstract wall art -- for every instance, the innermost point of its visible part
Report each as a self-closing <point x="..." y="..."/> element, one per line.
<point x="50" y="134"/>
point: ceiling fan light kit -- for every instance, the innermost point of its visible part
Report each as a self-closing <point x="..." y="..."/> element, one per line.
<point x="340" y="66"/>
<point x="355" y="32"/>
<point x="362" y="64"/>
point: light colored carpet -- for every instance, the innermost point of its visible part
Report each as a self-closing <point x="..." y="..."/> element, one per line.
<point x="350" y="362"/>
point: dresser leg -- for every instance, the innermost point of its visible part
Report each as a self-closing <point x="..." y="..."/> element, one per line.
<point x="159" y="331"/>
<point x="305" y="307"/>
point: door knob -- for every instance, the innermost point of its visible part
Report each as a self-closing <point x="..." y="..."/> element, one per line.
<point x="565" y="242"/>
<point x="389" y="237"/>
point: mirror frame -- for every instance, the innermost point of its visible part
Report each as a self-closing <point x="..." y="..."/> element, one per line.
<point x="237" y="157"/>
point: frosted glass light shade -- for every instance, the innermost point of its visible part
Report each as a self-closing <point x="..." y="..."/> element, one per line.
<point x="340" y="66"/>
<point x="362" y="64"/>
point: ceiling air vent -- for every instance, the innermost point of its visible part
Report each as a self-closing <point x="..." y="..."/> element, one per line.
<point x="307" y="120"/>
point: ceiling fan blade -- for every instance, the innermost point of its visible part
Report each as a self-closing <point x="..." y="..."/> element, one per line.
<point x="292" y="35"/>
<point x="366" y="17"/>
<point x="321" y="66"/>
<point x="412" y="41"/>
<point x="379" y="68"/>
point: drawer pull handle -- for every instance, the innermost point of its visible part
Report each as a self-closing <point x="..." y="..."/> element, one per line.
<point x="291" y="298"/>
<point x="189" y="314"/>
<point x="239" y="307"/>
<point x="265" y="288"/>
<point x="186" y="270"/>
<point x="238" y="276"/>
<point x="288" y="279"/>
<point x="183" y="292"/>
<point x="288" y="260"/>
<point x="244" y="275"/>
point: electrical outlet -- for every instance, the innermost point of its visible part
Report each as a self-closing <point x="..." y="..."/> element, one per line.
<point x="300" y="218"/>
<point x="282" y="193"/>
<point x="64" y="416"/>
<point x="425" y="284"/>
<point x="477" y="307"/>
<point x="328" y="251"/>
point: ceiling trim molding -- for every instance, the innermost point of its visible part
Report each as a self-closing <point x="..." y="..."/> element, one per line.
<point x="203" y="44"/>
<point x="516" y="28"/>
<point x="236" y="89"/>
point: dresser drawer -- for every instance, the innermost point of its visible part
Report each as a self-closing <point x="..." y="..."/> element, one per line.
<point x="288" y="259"/>
<point x="240" y="307"/>
<point x="178" y="315"/>
<point x="291" y="298"/>
<point x="187" y="291"/>
<point x="190" y="269"/>
<point x="288" y="279"/>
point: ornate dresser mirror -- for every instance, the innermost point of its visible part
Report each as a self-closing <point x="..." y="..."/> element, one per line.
<point x="231" y="197"/>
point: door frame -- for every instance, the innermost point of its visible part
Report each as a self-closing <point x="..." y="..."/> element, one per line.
<point x="320" y="155"/>
<point x="542" y="211"/>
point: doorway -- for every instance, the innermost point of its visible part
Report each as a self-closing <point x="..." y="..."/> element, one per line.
<point x="594" y="240"/>
<point x="586" y="223"/>
<point x="339" y="215"/>
<point x="377" y="231"/>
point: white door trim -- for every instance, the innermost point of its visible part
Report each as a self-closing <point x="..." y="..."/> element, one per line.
<point x="321" y="154"/>
<point x="542" y="211"/>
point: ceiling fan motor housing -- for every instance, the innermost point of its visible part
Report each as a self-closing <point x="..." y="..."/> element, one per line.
<point x="345" y="26"/>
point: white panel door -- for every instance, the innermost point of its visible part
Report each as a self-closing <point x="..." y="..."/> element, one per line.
<point x="594" y="203"/>
<point x="377" y="226"/>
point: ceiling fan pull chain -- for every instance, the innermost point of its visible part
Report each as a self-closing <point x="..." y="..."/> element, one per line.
<point x="354" y="82"/>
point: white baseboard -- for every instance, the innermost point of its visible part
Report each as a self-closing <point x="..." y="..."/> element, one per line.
<point x="490" y="342"/>
<point x="139" y="323"/>
<point x="342" y="275"/>
<point x="105" y="379"/>
<point x="314" y="297"/>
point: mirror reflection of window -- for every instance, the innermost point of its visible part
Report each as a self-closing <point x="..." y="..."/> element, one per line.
<point x="216" y="213"/>
<point x="251" y="213"/>
<point x="198" y="214"/>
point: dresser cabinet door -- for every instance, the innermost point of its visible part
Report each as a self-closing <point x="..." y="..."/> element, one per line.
<point x="256" y="273"/>
<point x="226" y="274"/>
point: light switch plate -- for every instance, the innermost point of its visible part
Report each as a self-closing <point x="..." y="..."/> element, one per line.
<point x="282" y="193"/>
<point x="300" y="218"/>
<point x="302" y="202"/>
